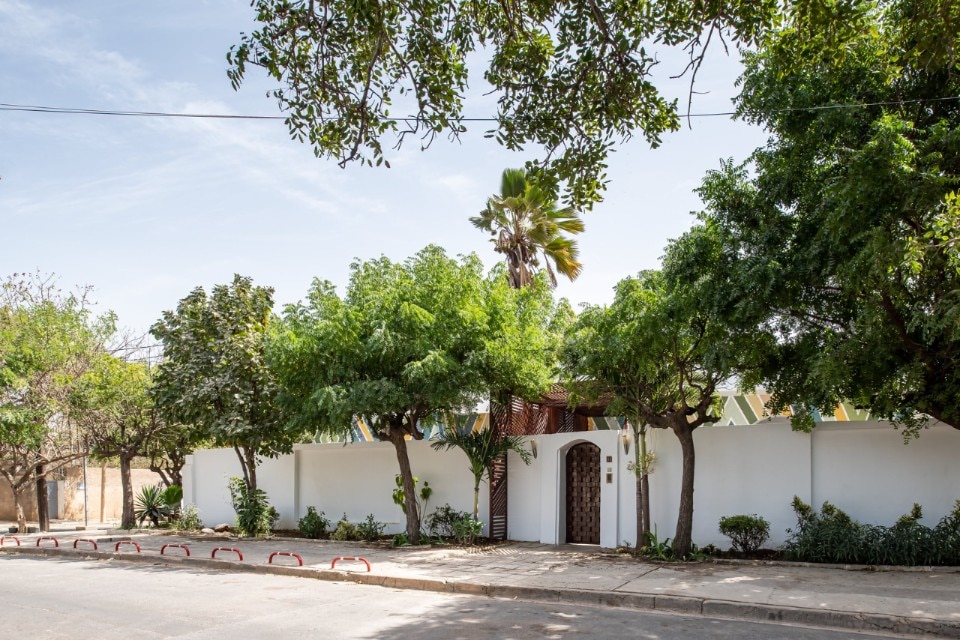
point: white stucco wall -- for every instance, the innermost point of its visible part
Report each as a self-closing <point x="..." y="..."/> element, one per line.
<point x="358" y="479"/>
<point x="207" y="472"/>
<point x="868" y="471"/>
<point x="863" y="468"/>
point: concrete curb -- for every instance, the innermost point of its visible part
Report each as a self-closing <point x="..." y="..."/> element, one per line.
<point x="685" y="605"/>
<point x="879" y="568"/>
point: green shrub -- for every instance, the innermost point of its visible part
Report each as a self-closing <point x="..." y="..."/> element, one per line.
<point x="746" y="533"/>
<point x="370" y="529"/>
<point x="441" y="522"/>
<point x="467" y="530"/>
<point x="188" y="520"/>
<point x="830" y="535"/>
<point x="255" y="516"/>
<point x="344" y="530"/>
<point x="313" y="525"/>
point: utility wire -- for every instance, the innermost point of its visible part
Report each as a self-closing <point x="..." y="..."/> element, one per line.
<point x="224" y="116"/>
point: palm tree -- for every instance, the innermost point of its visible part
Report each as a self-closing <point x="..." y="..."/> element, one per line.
<point x="481" y="448"/>
<point x="527" y="226"/>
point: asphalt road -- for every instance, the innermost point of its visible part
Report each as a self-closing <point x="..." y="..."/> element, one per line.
<point x="53" y="599"/>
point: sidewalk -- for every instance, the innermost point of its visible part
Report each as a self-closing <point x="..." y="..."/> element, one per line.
<point x="913" y="602"/>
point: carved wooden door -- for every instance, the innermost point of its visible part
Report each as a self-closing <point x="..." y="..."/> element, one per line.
<point x="583" y="494"/>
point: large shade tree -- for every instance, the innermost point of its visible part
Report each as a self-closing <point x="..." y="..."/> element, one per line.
<point x="529" y="228"/>
<point x="48" y="339"/>
<point x="214" y="377"/>
<point x="406" y="343"/>
<point x="571" y="77"/>
<point x="112" y="403"/>
<point x="659" y="360"/>
<point x="836" y="243"/>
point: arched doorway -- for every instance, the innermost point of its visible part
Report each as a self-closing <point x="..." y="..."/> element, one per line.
<point x="583" y="494"/>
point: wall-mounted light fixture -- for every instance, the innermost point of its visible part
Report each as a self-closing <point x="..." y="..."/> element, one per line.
<point x="533" y="447"/>
<point x="625" y="437"/>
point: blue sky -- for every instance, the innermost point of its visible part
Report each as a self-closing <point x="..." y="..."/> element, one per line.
<point x="146" y="209"/>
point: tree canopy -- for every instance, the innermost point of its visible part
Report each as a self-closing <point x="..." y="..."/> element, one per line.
<point x="835" y="244"/>
<point x="658" y="360"/>
<point x="112" y="403"/>
<point x="407" y="342"/>
<point x="214" y="377"/>
<point x="48" y="339"/>
<point x="572" y="78"/>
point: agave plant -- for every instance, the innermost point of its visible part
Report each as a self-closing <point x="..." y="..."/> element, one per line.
<point x="151" y="504"/>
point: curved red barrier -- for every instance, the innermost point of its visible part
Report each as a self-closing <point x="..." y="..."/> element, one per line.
<point x="79" y="540"/>
<point x="175" y="546"/>
<point x="350" y="559"/>
<point x="3" y="539"/>
<point x="289" y="554"/>
<point x="42" y="538"/>
<point x="117" y="546"/>
<point x="213" y="554"/>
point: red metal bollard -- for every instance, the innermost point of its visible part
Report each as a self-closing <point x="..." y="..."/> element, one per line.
<point x="175" y="546"/>
<point x="79" y="540"/>
<point x="285" y="553"/>
<point x="213" y="554"/>
<point x="55" y="541"/>
<point x="351" y="559"/>
<point x="14" y="538"/>
<point x="116" y="547"/>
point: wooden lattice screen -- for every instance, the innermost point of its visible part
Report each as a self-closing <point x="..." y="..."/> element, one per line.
<point x="516" y="418"/>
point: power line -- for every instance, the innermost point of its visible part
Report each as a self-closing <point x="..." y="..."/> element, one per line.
<point x="226" y="116"/>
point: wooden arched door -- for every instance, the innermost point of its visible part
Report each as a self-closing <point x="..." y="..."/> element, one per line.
<point x="583" y="494"/>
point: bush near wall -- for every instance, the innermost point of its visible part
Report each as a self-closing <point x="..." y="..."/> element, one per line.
<point x="830" y="535"/>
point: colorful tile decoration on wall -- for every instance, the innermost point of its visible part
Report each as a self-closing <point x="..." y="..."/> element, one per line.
<point x="738" y="409"/>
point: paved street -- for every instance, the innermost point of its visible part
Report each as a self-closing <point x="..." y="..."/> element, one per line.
<point x="58" y="599"/>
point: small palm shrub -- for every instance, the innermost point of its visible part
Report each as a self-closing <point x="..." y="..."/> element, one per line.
<point x="313" y="525"/>
<point x="254" y="513"/>
<point x="747" y="533"/>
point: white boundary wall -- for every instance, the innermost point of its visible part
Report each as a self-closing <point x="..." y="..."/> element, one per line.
<point x="863" y="468"/>
<point x="356" y="479"/>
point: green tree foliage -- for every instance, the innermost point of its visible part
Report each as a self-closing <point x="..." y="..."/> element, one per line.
<point x="47" y="341"/>
<point x="214" y="376"/>
<point x="658" y="359"/>
<point x="112" y="402"/>
<point x="482" y="448"/>
<point x="407" y="342"/>
<point x="572" y="77"/>
<point x="836" y="243"/>
<point x="526" y="224"/>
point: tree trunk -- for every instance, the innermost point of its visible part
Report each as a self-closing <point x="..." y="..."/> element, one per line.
<point x="409" y="488"/>
<point x="251" y="462"/>
<point x="641" y="537"/>
<point x="248" y="465"/>
<point x="645" y="486"/>
<point x="103" y="490"/>
<point x="18" y="507"/>
<point x="682" y="540"/>
<point x="43" y="504"/>
<point x="476" y="499"/>
<point x="127" y="519"/>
